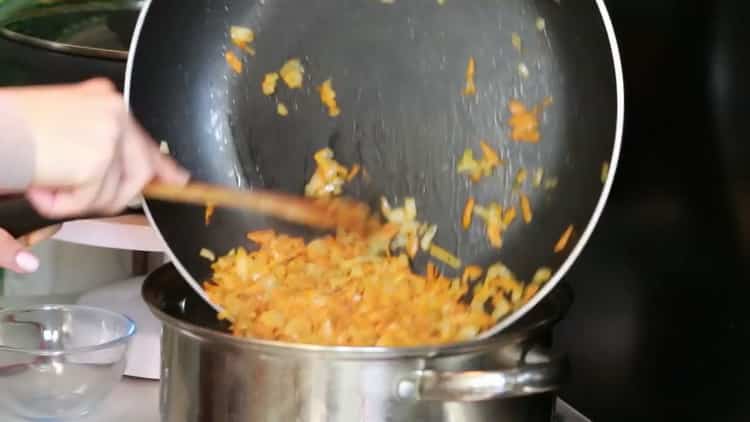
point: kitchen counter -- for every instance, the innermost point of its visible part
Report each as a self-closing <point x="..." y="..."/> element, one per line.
<point x="136" y="399"/>
<point x="133" y="399"/>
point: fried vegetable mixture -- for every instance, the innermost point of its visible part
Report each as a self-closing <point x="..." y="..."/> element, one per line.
<point x="359" y="289"/>
<point x="347" y="290"/>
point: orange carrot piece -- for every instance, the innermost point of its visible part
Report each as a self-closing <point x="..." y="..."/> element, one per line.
<point x="564" y="239"/>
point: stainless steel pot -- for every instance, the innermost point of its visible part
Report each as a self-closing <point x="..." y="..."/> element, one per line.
<point x="208" y="375"/>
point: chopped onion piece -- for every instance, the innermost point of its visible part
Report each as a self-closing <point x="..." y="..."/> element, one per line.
<point x="410" y="209"/>
<point x="385" y="207"/>
<point x="605" y="172"/>
<point x="208" y="254"/>
<point x="523" y="70"/>
<point x="328" y="98"/>
<point x="164" y="147"/>
<point x="515" y="40"/>
<point x="241" y="34"/>
<point x="269" y="83"/>
<point x="540" y="24"/>
<point x="444" y="256"/>
<point x="538" y="176"/>
<point x="281" y="109"/>
<point x="499" y="270"/>
<point x="482" y="212"/>
<point x="428" y="237"/>
<point x="542" y="275"/>
<point x="242" y="37"/>
<point x="291" y="73"/>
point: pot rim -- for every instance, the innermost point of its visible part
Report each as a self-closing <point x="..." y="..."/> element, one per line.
<point x="352" y="352"/>
<point x="513" y="335"/>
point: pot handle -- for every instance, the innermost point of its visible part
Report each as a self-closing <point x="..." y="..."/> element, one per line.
<point x="472" y="386"/>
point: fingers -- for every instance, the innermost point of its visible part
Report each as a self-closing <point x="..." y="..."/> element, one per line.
<point x="104" y="164"/>
<point x="14" y="256"/>
<point x="167" y="170"/>
<point x="106" y="199"/>
<point x="62" y="203"/>
<point x="138" y="168"/>
<point x="165" y="167"/>
<point x="143" y="162"/>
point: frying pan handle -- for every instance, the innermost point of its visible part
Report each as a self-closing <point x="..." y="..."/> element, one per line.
<point x="473" y="386"/>
<point x="19" y="218"/>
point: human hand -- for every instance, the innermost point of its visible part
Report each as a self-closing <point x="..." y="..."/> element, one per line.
<point x="14" y="253"/>
<point x="90" y="155"/>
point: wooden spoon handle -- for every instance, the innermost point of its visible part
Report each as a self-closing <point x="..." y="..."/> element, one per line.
<point x="290" y="208"/>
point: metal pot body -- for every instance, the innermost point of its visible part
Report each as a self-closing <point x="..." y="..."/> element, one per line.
<point x="207" y="375"/>
<point x="205" y="381"/>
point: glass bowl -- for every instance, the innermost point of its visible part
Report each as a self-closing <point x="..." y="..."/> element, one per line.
<point x="59" y="361"/>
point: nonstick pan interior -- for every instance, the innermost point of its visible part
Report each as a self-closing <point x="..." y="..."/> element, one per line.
<point x="398" y="70"/>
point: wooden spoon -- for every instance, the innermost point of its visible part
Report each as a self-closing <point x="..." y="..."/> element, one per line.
<point x="333" y="213"/>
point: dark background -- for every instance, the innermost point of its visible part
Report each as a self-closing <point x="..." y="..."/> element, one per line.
<point x="661" y="321"/>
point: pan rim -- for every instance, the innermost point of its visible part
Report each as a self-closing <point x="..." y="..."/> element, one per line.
<point x="567" y="262"/>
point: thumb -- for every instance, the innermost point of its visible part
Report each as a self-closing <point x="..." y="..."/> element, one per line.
<point x="14" y="256"/>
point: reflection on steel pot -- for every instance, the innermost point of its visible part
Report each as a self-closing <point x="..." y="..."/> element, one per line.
<point x="209" y="375"/>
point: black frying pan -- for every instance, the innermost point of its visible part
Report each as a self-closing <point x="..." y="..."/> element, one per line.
<point x="398" y="70"/>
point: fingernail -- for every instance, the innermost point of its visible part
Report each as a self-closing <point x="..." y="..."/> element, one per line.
<point x="27" y="262"/>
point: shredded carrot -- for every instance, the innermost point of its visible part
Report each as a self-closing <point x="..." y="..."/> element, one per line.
<point x="210" y="208"/>
<point x="526" y="208"/>
<point x="563" y="241"/>
<point x="468" y="213"/>
<point x="523" y="123"/>
<point x="233" y="61"/>
<point x="509" y="216"/>
<point x="530" y="291"/>
<point x="470" y="88"/>
<point x="261" y="236"/>
<point x="471" y="273"/>
<point x="353" y="172"/>
<point x="431" y="272"/>
<point x="490" y="157"/>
